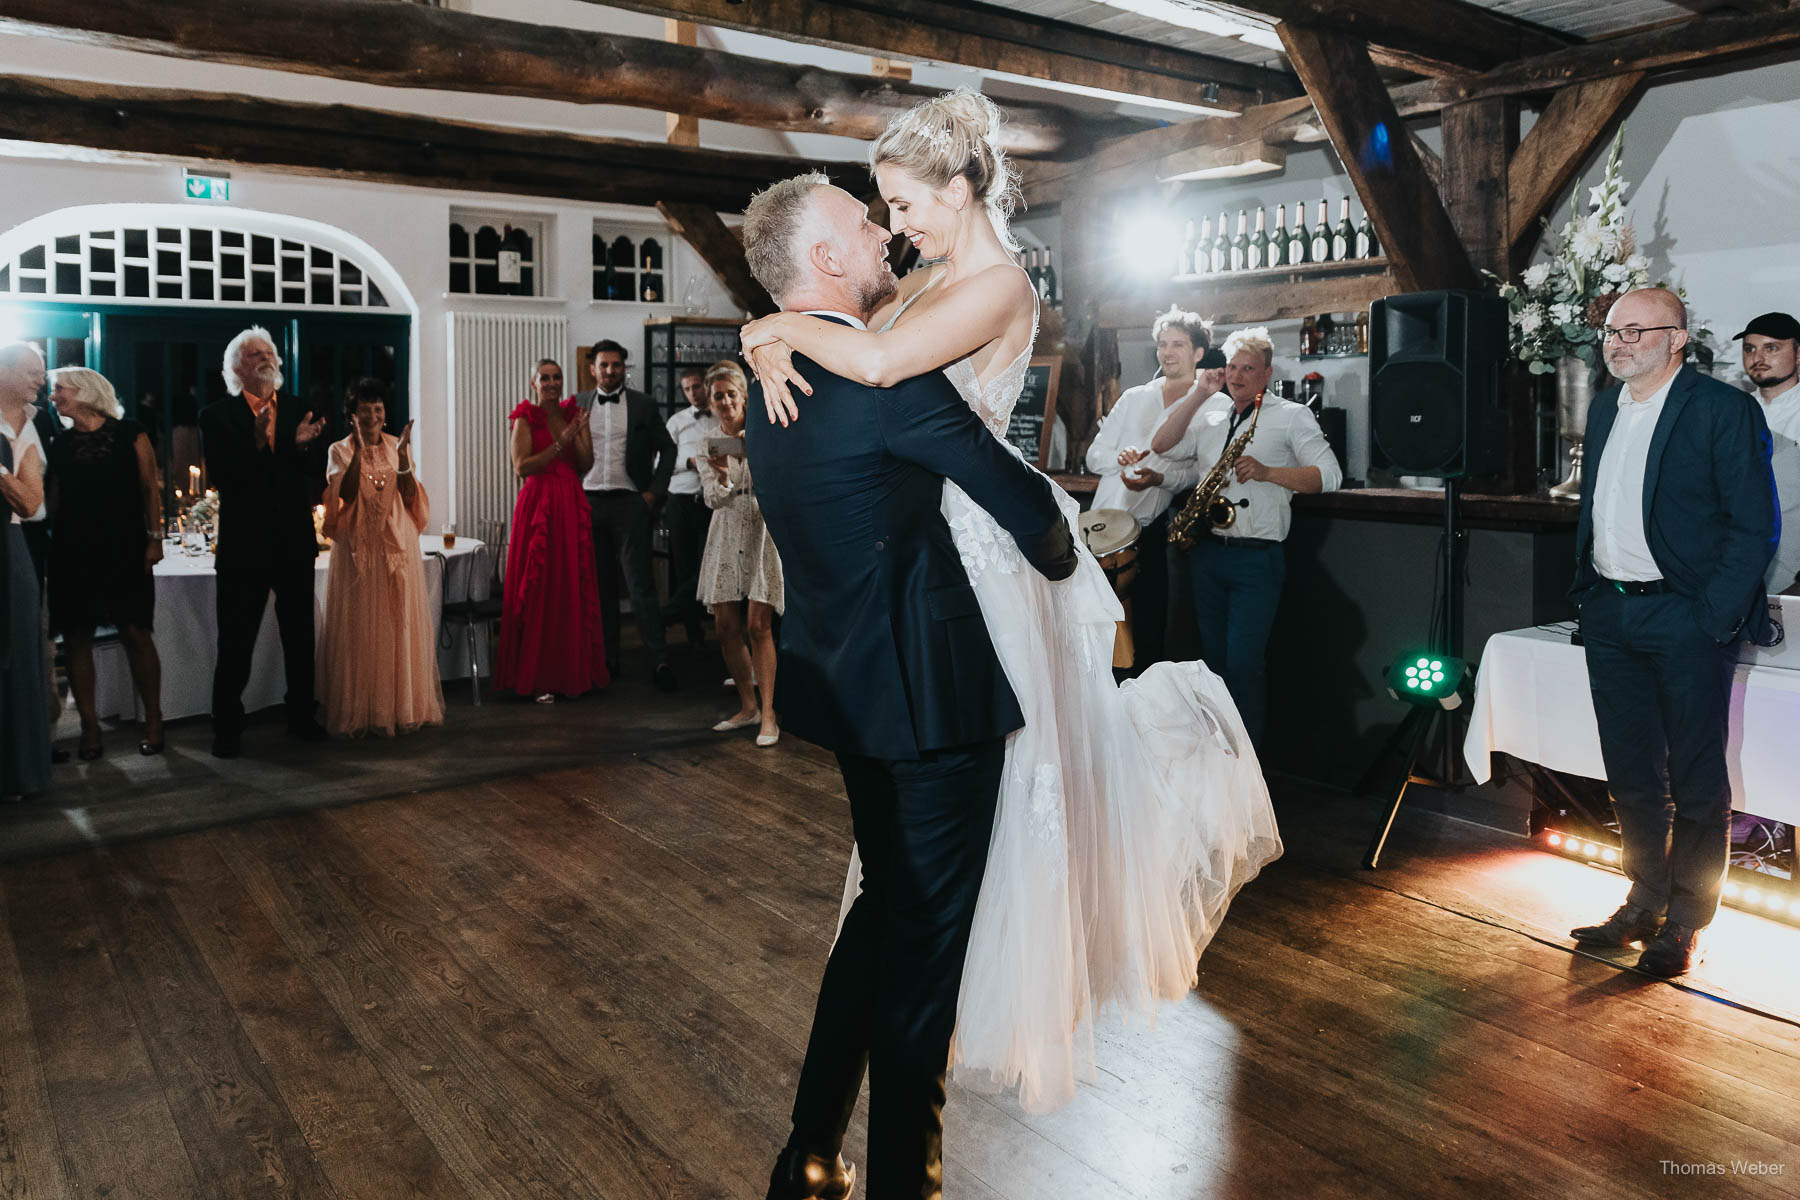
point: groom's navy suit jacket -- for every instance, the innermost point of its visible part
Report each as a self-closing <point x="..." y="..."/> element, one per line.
<point x="884" y="652"/>
<point x="1710" y="514"/>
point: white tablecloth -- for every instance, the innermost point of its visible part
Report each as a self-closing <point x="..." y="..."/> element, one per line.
<point x="187" y="632"/>
<point x="1532" y="702"/>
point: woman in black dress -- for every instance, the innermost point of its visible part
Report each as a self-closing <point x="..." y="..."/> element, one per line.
<point x="105" y="540"/>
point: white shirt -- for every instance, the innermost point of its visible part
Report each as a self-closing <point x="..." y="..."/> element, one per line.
<point x="689" y="429"/>
<point x="854" y="322"/>
<point x="607" y="424"/>
<point x="1621" y="549"/>
<point x="1132" y="420"/>
<point x="1783" y="412"/>
<point x="1287" y="435"/>
<point x="23" y="440"/>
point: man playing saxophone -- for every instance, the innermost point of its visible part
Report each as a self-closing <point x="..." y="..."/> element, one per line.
<point x="1238" y="569"/>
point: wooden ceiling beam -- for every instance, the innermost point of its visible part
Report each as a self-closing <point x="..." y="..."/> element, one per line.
<point x="1430" y="36"/>
<point x="1578" y="119"/>
<point x="721" y="250"/>
<point x="409" y="45"/>
<point x="1421" y="242"/>
<point x="993" y="38"/>
<point x="343" y="142"/>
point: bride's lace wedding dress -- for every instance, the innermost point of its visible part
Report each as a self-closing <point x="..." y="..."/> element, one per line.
<point x="1129" y="815"/>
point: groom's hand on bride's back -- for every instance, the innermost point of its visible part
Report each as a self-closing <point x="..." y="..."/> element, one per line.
<point x="1052" y="552"/>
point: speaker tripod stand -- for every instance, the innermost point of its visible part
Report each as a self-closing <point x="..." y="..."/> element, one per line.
<point x="1414" y="737"/>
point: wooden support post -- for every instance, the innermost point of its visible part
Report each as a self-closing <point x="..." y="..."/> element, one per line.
<point x="1577" y="120"/>
<point x="891" y="69"/>
<point x="1420" y="239"/>
<point x="1090" y="377"/>
<point x="683" y="128"/>
<point x="1479" y="139"/>
<point x="721" y="251"/>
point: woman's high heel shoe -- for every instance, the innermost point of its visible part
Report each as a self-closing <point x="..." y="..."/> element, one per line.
<point x="89" y="753"/>
<point x="148" y="748"/>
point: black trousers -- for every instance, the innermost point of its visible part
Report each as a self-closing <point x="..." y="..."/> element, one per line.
<point x="1662" y="698"/>
<point x="688" y="520"/>
<point x="622" y="549"/>
<point x="243" y="594"/>
<point x="888" y="999"/>
<point x="1150" y="595"/>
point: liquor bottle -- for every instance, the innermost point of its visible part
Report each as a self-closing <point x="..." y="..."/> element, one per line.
<point x="1258" y="255"/>
<point x="1221" y="247"/>
<point x="1362" y="332"/>
<point x="1297" y="249"/>
<point x="1320" y="245"/>
<point x="1202" y="262"/>
<point x="1277" y="254"/>
<point x="1343" y="238"/>
<point x="1306" y="335"/>
<point x="1366" y="245"/>
<point x="1240" y="245"/>
<point x="1047" y="281"/>
<point x="1184" y="262"/>
<point x="1322" y="331"/>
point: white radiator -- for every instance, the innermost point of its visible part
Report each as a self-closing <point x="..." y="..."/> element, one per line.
<point x="492" y="359"/>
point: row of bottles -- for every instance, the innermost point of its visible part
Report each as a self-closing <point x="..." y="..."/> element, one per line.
<point x="1042" y="275"/>
<point x="1213" y="253"/>
<point x="1335" y="334"/>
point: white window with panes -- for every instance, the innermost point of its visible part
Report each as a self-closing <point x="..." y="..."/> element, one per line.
<point x="632" y="263"/>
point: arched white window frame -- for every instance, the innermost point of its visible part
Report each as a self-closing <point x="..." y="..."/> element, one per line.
<point x="81" y="221"/>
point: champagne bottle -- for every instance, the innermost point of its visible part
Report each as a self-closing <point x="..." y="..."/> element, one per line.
<point x="1366" y="245"/>
<point x="1297" y="248"/>
<point x="1306" y="334"/>
<point x="1277" y="254"/>
<point x="1202" y="262"/>
<point x="1184" y="261"/>
<point x="1240" y="245"/>
<point x="1032" y="270"/>
<point x="1320" y="246"/>
<point x="1047" y="281"/>
<point x="1343" y="238"/>
<point x="1258" y="256"/>
<point x="1221" y="247"/>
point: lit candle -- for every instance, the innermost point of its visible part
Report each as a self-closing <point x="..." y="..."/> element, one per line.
<point x="177" y="496"/>
<point x="193" y="481"/>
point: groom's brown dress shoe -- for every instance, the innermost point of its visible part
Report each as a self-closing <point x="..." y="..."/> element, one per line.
<point x="1630" y="924"/>
<point x="802" y="1176"/>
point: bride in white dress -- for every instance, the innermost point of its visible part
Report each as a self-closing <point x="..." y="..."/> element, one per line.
<point x="1128" y="815"/>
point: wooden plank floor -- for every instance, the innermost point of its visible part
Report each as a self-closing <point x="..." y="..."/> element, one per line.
<point x="597" y="982"/>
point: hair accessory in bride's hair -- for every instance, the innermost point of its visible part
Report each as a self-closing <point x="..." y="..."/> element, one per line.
<point x="941" y="136"/>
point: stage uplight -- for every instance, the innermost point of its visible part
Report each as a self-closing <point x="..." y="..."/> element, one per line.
<point x="1556" y="839"/>
<point x="1427" y="678"/>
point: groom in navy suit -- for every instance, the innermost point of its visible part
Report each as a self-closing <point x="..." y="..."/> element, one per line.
<point x="885" y="659"/>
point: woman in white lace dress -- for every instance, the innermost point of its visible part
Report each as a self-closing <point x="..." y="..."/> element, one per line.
<point x="1128" y="816"/>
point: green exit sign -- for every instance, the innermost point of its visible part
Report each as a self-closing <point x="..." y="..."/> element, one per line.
<point x="216" y="188"/>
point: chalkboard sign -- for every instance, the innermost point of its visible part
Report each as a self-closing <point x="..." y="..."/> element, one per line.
<point x="1035" y="410"/>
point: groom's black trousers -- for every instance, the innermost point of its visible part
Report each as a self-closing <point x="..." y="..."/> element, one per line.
<point x="888" y="1000"/>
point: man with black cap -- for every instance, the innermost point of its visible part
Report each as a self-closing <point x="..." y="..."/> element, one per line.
<point x="1771" y="348"/>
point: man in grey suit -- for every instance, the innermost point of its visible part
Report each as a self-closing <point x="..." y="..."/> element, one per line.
<point x="633" y="458"/>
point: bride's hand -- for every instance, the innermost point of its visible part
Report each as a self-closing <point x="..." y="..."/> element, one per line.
<point x="773" y="364"/>
<point x="760" y="332"/>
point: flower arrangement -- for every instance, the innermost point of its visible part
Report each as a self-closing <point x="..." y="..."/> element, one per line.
<point x="205" y="510"/>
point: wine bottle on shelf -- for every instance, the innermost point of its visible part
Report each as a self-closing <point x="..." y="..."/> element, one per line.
<point x="1184" y="261"/>
<point x="1221" y="247"/>
<point x="1297" y="248"/>
<point x="1202" y="260"/>
<point x="1322" y="334"/>
<point x="1366" y="245"/>
<point x="1306" y="334"/>
<point x="1277" y="251"/>
<point x="1047" y="281"/>
<point x="1032" y="270"/>
<point x="1320" y="246"/>
<point x="1240" y="245"/>
<point x="1343" y="237"/>
<point x="1258" y="255"/>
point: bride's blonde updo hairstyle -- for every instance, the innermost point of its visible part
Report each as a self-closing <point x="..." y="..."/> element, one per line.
<point x="954" y="134"/>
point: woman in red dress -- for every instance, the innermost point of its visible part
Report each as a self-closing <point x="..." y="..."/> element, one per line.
<point x="550" y="635"/>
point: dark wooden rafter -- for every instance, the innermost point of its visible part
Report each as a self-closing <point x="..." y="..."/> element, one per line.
<point x="407" y="45"/>
<point x="1576" y="121"/>
<point x="1432" y="37"/>
<point x="1423" y="249"/>
<point x="1479" y="139"/>
<point x="721" y="250"/>
<point x="992" y="37"/>
<point x="383" y="147"/>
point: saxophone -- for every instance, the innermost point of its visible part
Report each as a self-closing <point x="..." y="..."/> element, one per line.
<point x="1205" y="501"/>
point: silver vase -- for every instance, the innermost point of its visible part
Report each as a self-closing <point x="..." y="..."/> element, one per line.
<point x="1574" y="391"/>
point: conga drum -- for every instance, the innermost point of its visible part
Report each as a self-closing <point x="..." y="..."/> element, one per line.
<point x="1112" y="534"/>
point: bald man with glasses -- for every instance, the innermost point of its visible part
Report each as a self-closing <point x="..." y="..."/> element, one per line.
<point x="1678" y="523"/>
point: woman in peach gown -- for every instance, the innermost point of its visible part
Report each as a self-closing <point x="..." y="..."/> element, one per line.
<point x="378" y="659"/>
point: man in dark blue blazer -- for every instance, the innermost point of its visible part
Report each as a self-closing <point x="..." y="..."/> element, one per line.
<point x="1678" y="523"/>
<point x="886" y="660"/>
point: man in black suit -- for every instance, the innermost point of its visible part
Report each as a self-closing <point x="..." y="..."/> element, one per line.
<point x="261" y="454"/>
<point x="885" y="659"/>
<point x="633" y="458"/>
<point x="1678" y="523"/>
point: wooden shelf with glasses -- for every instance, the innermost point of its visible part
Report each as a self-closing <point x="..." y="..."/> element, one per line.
<point x="1272" y="294"/>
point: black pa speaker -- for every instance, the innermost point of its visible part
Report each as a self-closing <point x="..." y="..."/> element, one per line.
<point x="1434" y="383"/>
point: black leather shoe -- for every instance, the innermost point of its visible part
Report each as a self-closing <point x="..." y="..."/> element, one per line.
<point x="664" y="678"/>
<point x="802" y="1176"/>
<point x="1676" y="951"/>
<point x="1630" y="924"/>
<point x="227" y="743"/>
